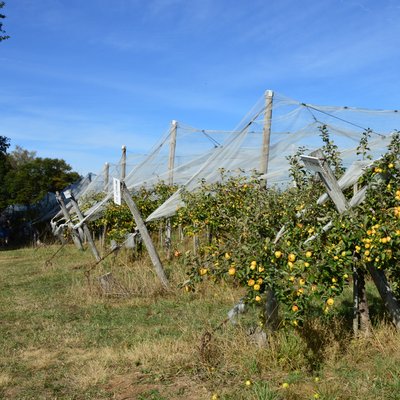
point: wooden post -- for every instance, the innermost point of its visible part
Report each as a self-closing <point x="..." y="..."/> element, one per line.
<point x="86" y="230"/>
<point x="171" y="166"/>
<point x="271" y="306"/>
<point x="106" y="176"/>
<point x="269" y="95"/>
<point x="145" y="235"/>
<point x="168" y="237"/>
<point x="317" y="163"/>
<point x="75" y="236"/>
<point x="391" y="303"/>
<point x="172" y="148"/>
<point x="123" y="163"/>
<point x="106" y="190"/>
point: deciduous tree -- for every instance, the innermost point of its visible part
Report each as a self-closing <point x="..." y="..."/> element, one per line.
<point x="31" y="181"/>
<point x="20" y="156"/>
<point x="5" y="167"/>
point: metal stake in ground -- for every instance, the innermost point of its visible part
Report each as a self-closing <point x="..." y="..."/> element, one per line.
<point x="145" y="235"/>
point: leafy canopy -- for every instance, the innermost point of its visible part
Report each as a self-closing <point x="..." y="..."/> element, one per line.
<point x="32" y="180"/>
<point x="26" y="179"/>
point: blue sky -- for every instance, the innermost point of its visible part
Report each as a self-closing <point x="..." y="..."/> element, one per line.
<point x="80" y="78"/>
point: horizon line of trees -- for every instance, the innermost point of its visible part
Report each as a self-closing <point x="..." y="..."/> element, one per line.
<point x="26" y="179"/>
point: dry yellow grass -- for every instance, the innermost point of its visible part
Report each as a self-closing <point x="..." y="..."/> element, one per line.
<point x="90" y="373"/>
<point x="39" y="358"/>
<point x="5" y="379"/>
<point x="62" y="338"/>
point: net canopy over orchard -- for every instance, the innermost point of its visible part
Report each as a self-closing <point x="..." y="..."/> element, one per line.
<point x="214" y="184"/>
<point x="273" y="130"/>
<point x="292" y="125"/>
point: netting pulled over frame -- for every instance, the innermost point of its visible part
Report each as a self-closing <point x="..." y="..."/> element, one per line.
<point x="185" y="155"/>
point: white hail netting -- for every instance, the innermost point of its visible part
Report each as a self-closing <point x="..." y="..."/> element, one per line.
<point x="201" y="154"/>
<point x="294" y="124"/>
<point x="48" y="206"/>
<point x="193" y="147"/>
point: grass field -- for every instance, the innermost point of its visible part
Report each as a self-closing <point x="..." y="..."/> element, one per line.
<point x="60" y="338"/>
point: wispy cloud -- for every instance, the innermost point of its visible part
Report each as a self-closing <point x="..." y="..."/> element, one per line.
<point x="89" y="76"/>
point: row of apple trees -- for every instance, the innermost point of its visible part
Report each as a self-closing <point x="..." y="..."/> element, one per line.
<point x="116" y="221"/>
<point x="235" y="222"/>
<point x="306" y="276"/>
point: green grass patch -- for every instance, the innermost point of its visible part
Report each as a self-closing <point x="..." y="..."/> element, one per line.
<point x="62" y="339"/>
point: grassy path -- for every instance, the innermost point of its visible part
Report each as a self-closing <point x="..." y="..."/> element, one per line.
<point x="59" y="339"/>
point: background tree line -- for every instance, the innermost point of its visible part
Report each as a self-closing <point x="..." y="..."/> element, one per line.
<point x="26" y="178"/>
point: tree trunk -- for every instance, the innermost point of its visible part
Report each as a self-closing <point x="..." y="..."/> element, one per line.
<point x="271" y="311"/>
<point x="361" y="321"/>
<point x="145" y="236"/>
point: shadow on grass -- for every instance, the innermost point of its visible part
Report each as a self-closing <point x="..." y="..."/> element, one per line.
<point x="331" y="333"/>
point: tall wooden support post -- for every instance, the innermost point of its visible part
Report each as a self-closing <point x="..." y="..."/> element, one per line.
<point x="123" y="163"/>
<point x="86" y="230"/>
<point x="75" y="235"/>
<point x="172" y="148"/>
<point x="145" y="235"/>
<point x="106" y="176"/>
<point x="271" y="305"/>
<point x="106" y="189"/>
<point x="171" y="166"/>
<point x="269" y="95"/>
<point x="392" y="304"/>
<point x="317" y="163"/>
